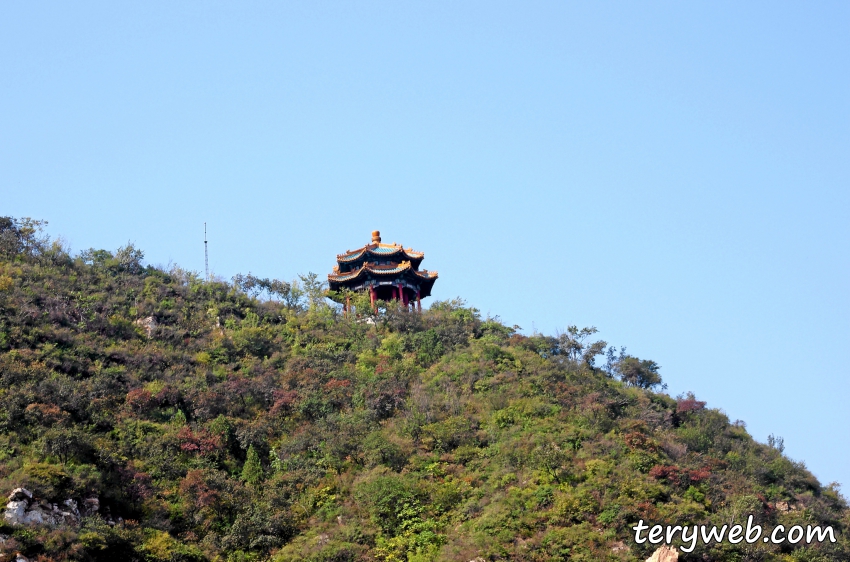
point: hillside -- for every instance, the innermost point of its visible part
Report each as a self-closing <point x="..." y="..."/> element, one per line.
<point x="232" y="427"/>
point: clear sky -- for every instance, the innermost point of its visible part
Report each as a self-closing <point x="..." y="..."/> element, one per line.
<point x="675" y="174"/>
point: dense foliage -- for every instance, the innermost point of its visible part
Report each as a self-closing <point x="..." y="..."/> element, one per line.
<point x="239" y="428"/>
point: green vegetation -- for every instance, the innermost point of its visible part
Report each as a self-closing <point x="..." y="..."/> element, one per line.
<point x="242" y="429"/>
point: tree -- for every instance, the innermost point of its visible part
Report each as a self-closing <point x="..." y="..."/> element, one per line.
<point x="255" y="286"/>
<point x="572" y="344"/>
<point x="776" y="442"/>
<point x="642" y="373"/>
<point x="22" y="236"/>
<point x="612" y="359"/>
<point x="129" y="258"/>
<point x="65" y="444"/>
<point x="252" y="471"/>
<point x="314" y="288"/>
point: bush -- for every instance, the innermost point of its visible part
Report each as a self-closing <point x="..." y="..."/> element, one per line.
<point x="390" y="501"/>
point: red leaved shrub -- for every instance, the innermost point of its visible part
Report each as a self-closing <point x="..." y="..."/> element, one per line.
<point x="333" y="384"/>
<point x="197" y="491"/>
<point x="136" y="484"/>
<point x="689" y="404"/>
<point x="200" y="442"/>
<point x="284" y="400"/>
<point x="140" y="401"/>
<point x="697" y="476"/>
<point x="679" y="476"/>
<point x="46" y="414"/>
<point x="638" y="440"/>
<point x="665" y="472"/>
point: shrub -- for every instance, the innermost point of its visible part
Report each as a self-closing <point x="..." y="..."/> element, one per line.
<point x="391" y="502"/>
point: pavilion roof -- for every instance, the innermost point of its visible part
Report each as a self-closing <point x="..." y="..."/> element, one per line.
<point x="378" y="249"/>
<point x="376" y="269"/>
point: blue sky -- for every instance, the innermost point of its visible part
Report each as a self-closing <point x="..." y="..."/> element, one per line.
<point x="675" y="174"/>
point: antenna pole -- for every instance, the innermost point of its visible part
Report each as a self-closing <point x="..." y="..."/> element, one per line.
<point x="206" y="255"/>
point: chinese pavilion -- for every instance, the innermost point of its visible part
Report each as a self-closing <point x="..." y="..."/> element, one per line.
<point x="387" y="271"/>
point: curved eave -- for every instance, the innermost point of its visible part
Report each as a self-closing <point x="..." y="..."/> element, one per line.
<point x="376" y="270"/>
<point x="382" y="250"/>
<point x="424" y="280"/>
<point x="426" y="284"/>
<point x="426" y="274"/>
<point x="350" y="256"/>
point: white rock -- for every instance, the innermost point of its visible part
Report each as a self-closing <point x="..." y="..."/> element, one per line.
<point x="619" y="546"/>
<point x="20" y="494"/>
<point x="664" y="554"/>
<point x="15" y="512"/>
<point x="35" y="516"/>
<point x="72" y="506"/>
<point x="91" y="505"/>
<point x="148" y="324"/>
<point x="25" y="512"/>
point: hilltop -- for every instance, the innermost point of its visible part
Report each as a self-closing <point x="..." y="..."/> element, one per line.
<point x="197" y="420"/>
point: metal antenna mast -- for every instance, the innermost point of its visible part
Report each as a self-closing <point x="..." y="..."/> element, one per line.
<point x="206" y="255"/>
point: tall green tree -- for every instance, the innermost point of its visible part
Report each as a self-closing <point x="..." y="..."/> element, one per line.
<point x="252" y="471"/>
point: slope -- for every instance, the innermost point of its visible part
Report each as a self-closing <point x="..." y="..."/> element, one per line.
<point x="210" y="424"/>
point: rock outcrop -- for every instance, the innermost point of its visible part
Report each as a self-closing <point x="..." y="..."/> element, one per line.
<point x="785" y="507"/>
<point x="148" y="325"/>
<point x="664" y="554"/>
<point x="23" y="509"/>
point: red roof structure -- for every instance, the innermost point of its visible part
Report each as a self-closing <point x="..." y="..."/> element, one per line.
<point x="387" y="271"/>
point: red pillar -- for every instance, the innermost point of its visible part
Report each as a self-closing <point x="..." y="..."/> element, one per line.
<point x="418" y="302"/>
<point x="373" y="295"/>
